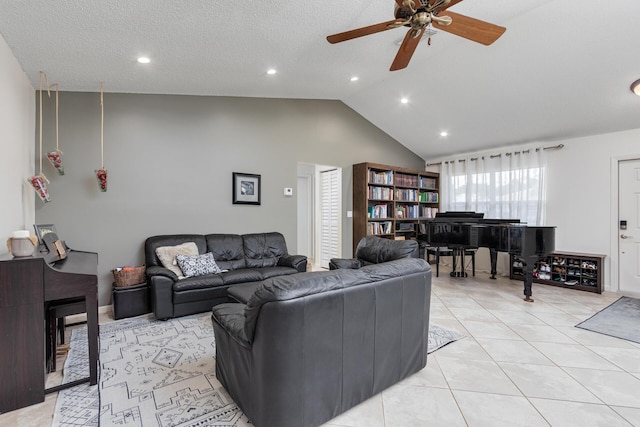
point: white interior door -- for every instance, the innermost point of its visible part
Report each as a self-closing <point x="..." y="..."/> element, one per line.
<point x="330" y="206"/>
<point x="629" y="238"/>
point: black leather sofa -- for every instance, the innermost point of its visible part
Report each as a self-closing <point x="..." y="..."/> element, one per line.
<point x="309" y="346"/>
<point x="243" y="258"/>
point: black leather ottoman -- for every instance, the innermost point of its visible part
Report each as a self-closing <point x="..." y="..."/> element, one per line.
<point x="129" y="301"/>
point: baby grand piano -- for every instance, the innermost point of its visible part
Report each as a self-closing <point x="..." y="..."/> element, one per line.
<point x="27" y="285"/>
<point x="470" y="230"/>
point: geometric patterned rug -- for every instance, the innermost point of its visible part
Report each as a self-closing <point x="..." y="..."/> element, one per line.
<point x="157" y="373"/>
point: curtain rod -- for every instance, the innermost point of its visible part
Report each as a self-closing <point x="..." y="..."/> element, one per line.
<point x="493" y="156"/>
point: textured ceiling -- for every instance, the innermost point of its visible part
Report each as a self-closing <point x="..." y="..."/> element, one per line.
<point x="561" y="70"/>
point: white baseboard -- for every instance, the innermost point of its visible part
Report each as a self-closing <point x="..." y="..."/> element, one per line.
<point x="77" y="318"/>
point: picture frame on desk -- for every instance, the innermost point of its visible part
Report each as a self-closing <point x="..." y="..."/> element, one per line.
<point x="246" y="188"/>
<point x="43" y="229"/>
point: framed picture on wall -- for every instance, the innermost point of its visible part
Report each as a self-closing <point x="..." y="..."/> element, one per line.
<point x="246" y="189"/>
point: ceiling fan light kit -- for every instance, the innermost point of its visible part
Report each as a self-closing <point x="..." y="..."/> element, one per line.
<point x="420" y="16"/>
<point x="635" y="87"/>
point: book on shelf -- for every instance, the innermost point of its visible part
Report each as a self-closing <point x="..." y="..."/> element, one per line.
<point x="428" y="212"/>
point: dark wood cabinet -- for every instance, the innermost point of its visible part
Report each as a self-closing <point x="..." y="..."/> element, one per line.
<point x="27" y="285"/>
<point x="390" y="201"/>
<point x="565" y="269"/>
<point x="22" y="318"/>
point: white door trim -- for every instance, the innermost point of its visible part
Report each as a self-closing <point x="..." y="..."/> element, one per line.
<point x="614" y="265"/>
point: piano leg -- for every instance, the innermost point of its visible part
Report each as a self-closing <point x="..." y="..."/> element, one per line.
<point x="528" y="279"/>
<point x="493" y="254"/>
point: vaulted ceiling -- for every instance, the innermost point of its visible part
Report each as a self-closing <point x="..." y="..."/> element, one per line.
<point x="561" y="70"/>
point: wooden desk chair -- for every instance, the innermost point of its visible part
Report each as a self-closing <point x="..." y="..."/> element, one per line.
<point x="444" y="251"/>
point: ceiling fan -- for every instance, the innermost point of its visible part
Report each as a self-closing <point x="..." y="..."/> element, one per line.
<point x="418" y="15"/>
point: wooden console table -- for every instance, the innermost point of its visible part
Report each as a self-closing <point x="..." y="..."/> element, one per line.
<point x="27" y="284"/>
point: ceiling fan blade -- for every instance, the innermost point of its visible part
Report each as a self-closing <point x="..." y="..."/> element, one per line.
<point x="472" y="29"/>
<point x="407" y="48"/>
<point x="364" y="31"/>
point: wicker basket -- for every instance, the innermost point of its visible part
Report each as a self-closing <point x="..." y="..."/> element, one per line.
<point x="129" y="276"/>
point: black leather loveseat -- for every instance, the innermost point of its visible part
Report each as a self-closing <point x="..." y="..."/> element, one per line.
<point x="309" y="346"/>
<point x="242" y="258"/>
<point x="374" y="250"/>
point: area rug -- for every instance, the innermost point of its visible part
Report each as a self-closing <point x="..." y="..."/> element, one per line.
<point x="621" y="319"/>
<point x="155" y="373"/>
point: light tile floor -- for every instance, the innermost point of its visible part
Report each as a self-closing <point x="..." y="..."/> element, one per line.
<point x="520" y="364"/>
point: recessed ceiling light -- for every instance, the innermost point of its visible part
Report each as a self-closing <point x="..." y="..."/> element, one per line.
<point x="444" y="133"/>
<point x="404" y="100"/>
<point x="635" y="87"/>
<point x="271" y="71"/>
<point x="144" y="60"/>
<point x="354" y="78"/>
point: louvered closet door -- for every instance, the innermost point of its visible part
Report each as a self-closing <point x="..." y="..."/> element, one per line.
<point x="329" y="216"/>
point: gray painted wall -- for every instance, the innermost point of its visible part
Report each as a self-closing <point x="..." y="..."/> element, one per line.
<point x="170" y="160"/>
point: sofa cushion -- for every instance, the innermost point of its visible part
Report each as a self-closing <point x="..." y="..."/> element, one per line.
<point x="197" y="265"/>
<point x="199" y="295"/>
<point x="242" y="292"/>
<point x="167" y="256"/>
<point x="198" y="282"/>
<point x="269" y="272"/>
<point x="263" y="249"/>
<point x="242" y="275"/>
<point x="395" y="268"/>
<point x="227" y="250"/>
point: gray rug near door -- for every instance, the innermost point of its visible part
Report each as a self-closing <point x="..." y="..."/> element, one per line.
<point x="621" y="319"/>
<point x="155" y="373"/>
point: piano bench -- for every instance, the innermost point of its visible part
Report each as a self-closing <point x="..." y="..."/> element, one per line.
<point x="443" y="251"/>
<point x="56" y="312"/>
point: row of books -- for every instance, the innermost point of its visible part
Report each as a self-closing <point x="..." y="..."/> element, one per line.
<point x="407" y="211"/>
<point x="382" y="177"/>
<point x="403" y="180"/>
<point x="379" y="211"/>
<point x="380" y="193"/>
<point x="429" y="197"/>
<point x="428" y="212"/>
<point x="406" y="195"/>
<point x="429" y="183"/>
<point x="379" y="227"/>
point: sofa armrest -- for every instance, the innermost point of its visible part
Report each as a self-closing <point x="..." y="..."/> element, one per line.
<point x="161" y="288"/>
<point x="344" y="263"/>
<point x="156" y="270"/>
<point x="299" y="262"/>
<point x="230" y="317"/>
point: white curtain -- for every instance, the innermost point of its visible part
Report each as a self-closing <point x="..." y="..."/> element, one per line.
<point x="508" y="186"/>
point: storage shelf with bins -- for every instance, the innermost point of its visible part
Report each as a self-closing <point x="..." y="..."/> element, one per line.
<point x="565" y="269"/>
<point x="390" y="201"/>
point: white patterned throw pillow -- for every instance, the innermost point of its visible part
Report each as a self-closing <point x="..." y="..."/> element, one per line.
<point x="198" y="265"/>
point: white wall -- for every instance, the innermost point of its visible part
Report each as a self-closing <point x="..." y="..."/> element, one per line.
<point x="17" y="129"/>
<point x="579" y="196"/>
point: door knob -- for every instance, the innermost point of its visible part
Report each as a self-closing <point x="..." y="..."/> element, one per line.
<point x="624" y="236"/>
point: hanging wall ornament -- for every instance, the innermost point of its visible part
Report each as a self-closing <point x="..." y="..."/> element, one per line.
<point x="101" y="174"/>
<point x="39" y="181"/>
<point x="55" y="157"/>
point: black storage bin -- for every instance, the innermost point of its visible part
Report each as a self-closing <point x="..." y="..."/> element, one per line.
<point x="129" y="301"/>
